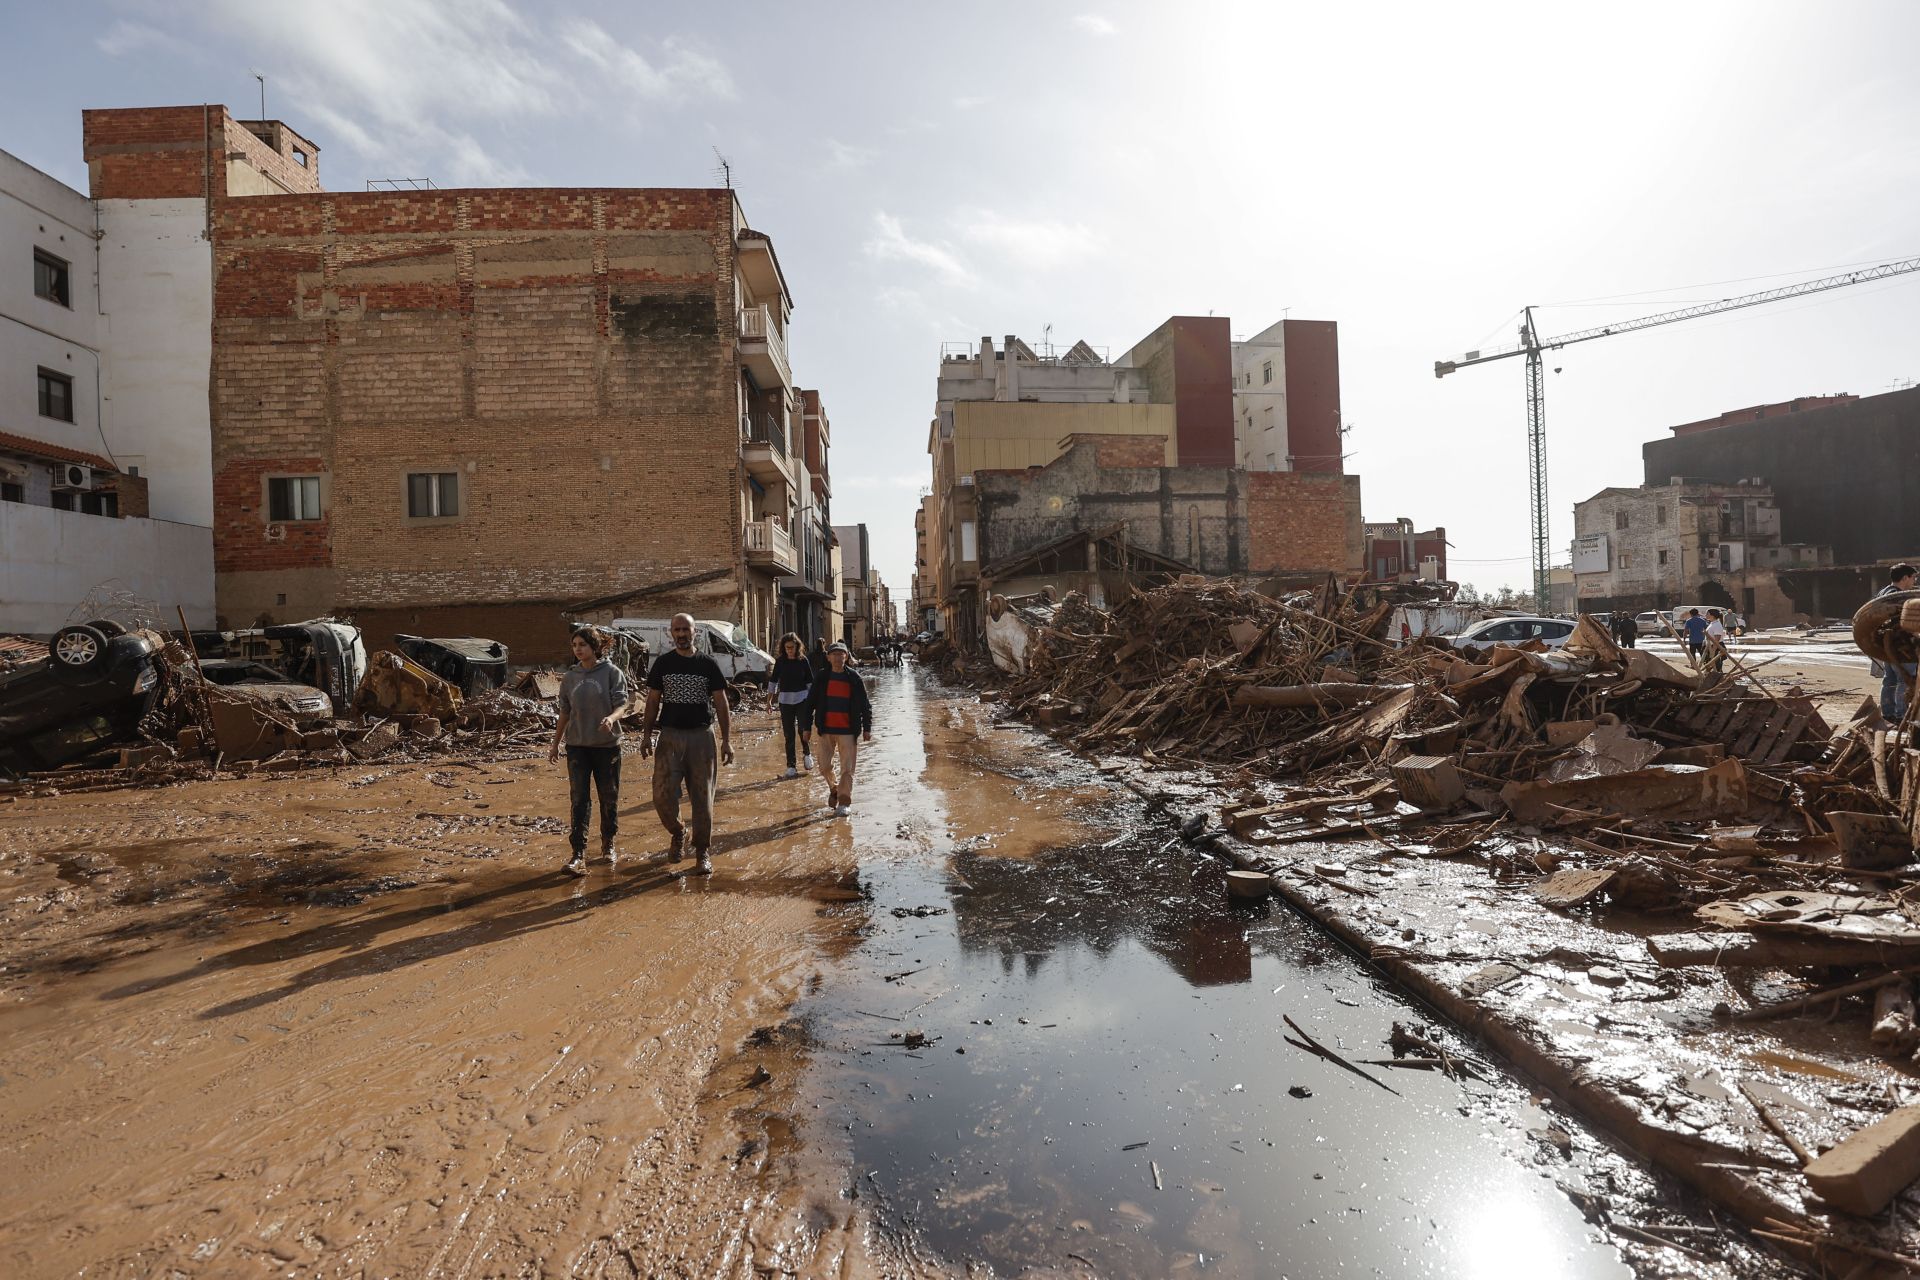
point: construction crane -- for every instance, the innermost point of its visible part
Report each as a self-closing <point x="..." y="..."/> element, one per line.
<point x="1531" y="344"/>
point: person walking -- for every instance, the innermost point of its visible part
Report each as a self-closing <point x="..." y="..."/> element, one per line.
<point x="793" y="684"/>
<point x="1695" y="631"/>
<point x="1894" y="690"/>
<point x="1629" y="631"/>
<point x="593" y="696"/>
<point x="1716" y="640"/>
<point x="843" y="717"/>
<point x="686" y="693"/>
<point x="817" y="656"/>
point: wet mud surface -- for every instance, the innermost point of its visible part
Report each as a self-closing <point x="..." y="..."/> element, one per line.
<point x="357" y="1023"/>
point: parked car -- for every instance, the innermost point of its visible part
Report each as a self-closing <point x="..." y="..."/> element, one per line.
<point x="302" y="703"/>
<point x="1552" y="632"/>
<point x="1650" y="623"/>
<point x="725" y="642"/>
<point x="324" y="653"/>
<point x="470" y="663"/>
<point x="93" y="688"/>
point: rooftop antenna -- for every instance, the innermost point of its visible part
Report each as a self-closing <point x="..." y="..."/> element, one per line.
<point x="725" y="170"/>
<point x="263" y="94"/>
<point x="1046" y="339"/>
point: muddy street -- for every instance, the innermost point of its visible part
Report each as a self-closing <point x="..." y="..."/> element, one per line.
<point x="358" y="1023"/>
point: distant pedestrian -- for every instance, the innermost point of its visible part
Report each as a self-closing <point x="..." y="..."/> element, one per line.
<point x="1894" y="690"/>
<point x="1629" y="631"/>
<point x="793" y="684"/>
<point x="1695" y="628"/>
<point x="817" y="656"/>
<point x="843" y="717"/>
<point x="1716" y="640"/>
<point x="686" y="693"/>
<point x="593" y="696"/>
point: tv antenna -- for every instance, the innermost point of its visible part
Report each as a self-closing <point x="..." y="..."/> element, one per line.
<point x="1046" y="339"/>
<point x="725" y="169"/>
<point x="263" y="94"/>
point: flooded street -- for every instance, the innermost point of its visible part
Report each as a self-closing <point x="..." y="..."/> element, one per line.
<point x="358" y="1023"/>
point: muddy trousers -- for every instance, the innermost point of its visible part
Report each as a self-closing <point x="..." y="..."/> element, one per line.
<point x="794" y="719"/>
<point x="846" y="747"/>
<point x="590" y="769"/>
<point x="1893" y="692"/>
<point x="689" y="757"/>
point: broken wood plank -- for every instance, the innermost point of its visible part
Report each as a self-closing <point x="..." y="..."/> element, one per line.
<point x="1312" y="695"/>
<point x="1867" y="1169"/>
<point x="1321" y="1051"/>
<point x="1772" y="951"/>
<point x="1564" y="890"/>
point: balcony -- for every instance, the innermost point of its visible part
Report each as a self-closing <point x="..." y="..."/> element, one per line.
<point x="769" y="547"/>
<point x="763" y="447"/>
<point x="763" y="349"/>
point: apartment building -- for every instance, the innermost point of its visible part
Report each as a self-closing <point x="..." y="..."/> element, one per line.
<point x="1286" y="398"/>
<point x="856" y="585"/>
<point x="480" y="411"/>
<point x="104" y="489"/>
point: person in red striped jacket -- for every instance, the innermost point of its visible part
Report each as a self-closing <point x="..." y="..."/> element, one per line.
<point x="842" y="719"/>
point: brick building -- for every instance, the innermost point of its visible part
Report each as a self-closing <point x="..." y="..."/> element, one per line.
<point x="476" y="411"/>
<point x="1397" y="552"/>
<point x="1286" y="398"/>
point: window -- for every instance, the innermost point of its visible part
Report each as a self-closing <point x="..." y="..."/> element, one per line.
<point x="293" y="498"/>
<point x="100" y="504"/>
<point x="50" y="278"/>
<point x="433" y="494"/>
<point x="1660" y="514"/>
<point x="300" y="157"/>
<point x="1626" y="560"/>
<point x="1663" y="557"/>
<point x="969" y="550"/>
<point x="1619" y="519"/>
<point x="12" y="492"/>
<point x="1266" y="372"/>
<point x="62" y="500"/>
<point x="56" y="395"/>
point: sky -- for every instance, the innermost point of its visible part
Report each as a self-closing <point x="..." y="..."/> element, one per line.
<point x="934" y="173"/>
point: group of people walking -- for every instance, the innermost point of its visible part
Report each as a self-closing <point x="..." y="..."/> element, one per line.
<point x="819" y="695"/>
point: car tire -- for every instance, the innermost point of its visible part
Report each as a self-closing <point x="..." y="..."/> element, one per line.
<point x="78" y="650"/>
<point x="107" y="627"/>
<point x="1876" y="628"/>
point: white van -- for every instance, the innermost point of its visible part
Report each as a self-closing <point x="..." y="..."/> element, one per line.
<point x="725" y="642"/>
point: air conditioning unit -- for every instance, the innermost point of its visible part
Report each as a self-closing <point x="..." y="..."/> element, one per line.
<point x="72" y="477"/>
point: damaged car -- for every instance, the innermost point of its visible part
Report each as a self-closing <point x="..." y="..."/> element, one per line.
<point x="470" y="663"/>
<point x="305" y="705"/>
<point x="94" y="686"/>
<point x="324" y="653"/>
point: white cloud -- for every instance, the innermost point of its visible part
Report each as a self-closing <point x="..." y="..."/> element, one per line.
<point x="125" y="37"/>
<point x="844" y="155"/>
<point x="891" y="243"/>
<point x="970" y="102"/>
<point x="1094" y="24"/>
<point x="412" y="85"/>
<point x="1037" y="242"/>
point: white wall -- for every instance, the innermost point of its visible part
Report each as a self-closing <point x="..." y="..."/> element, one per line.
<point x="1259" y="406"/>
<point x="156" y="287"/>
<point x="54" y="559"/>
<point x="36" y="211"/>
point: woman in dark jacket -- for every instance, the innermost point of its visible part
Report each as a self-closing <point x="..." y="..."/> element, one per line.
<point x="793" y="684"/>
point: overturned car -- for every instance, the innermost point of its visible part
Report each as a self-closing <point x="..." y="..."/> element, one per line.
<point x="470" y="663"/>
<point x="94" y="686"/>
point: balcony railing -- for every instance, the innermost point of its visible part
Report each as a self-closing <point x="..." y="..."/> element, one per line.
<point x="757" y="327"/>
<point x="769" y="543"/>
<point x="764" y="428"/>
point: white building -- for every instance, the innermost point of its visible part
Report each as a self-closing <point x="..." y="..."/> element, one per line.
<point x="1260" y="400"/>
<point x="105" y="452"/>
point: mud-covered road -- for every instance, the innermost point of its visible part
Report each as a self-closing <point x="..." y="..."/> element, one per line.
<point x="357" y="1023"/>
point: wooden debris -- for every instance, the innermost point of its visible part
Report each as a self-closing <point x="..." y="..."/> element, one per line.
<point x="1867" y="1169"/>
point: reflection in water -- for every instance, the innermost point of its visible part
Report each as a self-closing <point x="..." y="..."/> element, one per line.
<point x="1105" y="1021"/>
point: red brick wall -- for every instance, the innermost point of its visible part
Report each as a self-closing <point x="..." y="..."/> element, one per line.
<point x="153" y="152"/>
<point x="131" y="490"/>
<point x="568" y="353"/>
<point x="1314" y="442"/>
<point x="1304" y="521"/>
<point x="1126" y="451"/>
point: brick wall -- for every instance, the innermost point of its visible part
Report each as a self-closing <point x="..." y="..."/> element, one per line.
<point x="1126" y="451"/>
<point x="569" y="355"/>
<point x="1304" y="521"/>
<point x="130" y="490"/>
<point x="154" y="152"/>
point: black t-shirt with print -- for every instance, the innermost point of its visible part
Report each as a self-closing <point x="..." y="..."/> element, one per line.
<point x="686" y="685"/>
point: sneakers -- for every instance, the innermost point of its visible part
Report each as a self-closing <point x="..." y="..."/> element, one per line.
<point x="610" y="853"/>
<point x="791" y="772"/>
<point x="841" y="810"/>
<point x="702" y="864"/>
<point x="809" y="762"/>
<point x="576" y="865"/>
<point x="678" y="849"/>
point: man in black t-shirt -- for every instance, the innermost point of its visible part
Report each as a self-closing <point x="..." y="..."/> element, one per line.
<point x="685" y="694"/>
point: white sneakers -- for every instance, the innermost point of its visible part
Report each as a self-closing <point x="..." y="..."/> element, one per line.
<point x="809" y="762"/>
<point x="841" y="810"/>
<point x="793" y="772"/>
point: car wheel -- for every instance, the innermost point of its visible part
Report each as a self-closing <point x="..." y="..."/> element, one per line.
<point x="78" y="649"/>
<point x="1877" y="631"/>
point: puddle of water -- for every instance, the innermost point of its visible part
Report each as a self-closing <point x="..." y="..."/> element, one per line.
<point x="1083" y="1001"/>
